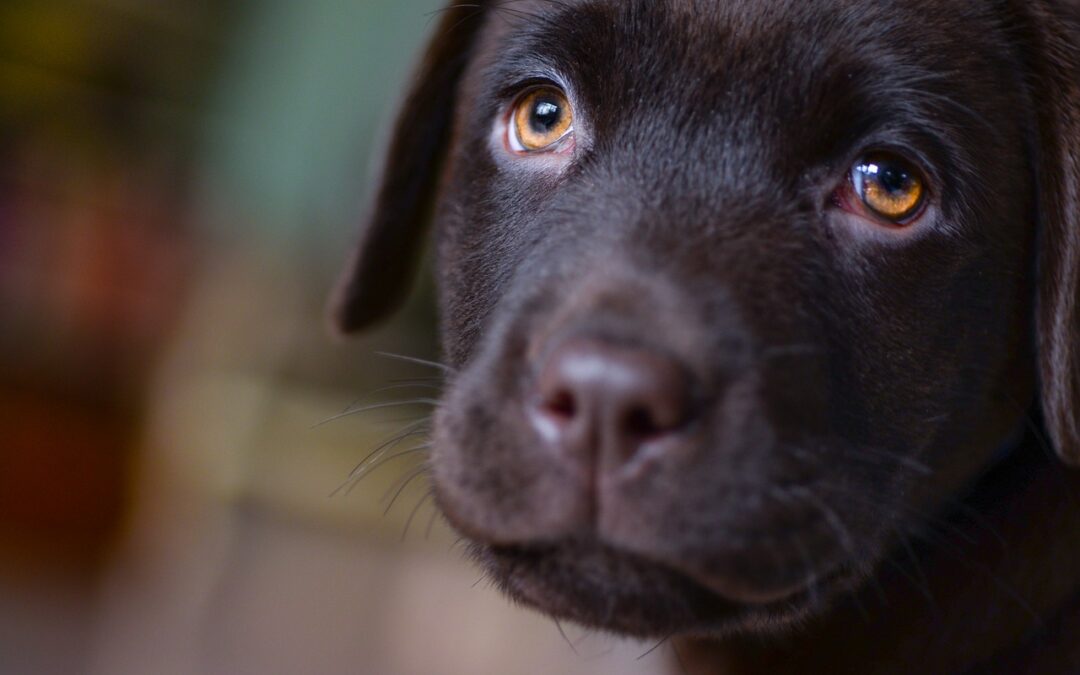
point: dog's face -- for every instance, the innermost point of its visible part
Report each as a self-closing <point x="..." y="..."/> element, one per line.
<point x="735" y="293"/>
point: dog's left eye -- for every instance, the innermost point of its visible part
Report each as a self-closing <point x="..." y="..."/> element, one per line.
<point x="542" y="120"/>
<point x="889" y="186"/>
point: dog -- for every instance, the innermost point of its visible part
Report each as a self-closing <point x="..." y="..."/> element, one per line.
<point x="762" y="318"/>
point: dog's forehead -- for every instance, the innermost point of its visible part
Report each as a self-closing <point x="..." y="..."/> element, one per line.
<point x="772" y="80"/>
<point x="628" y="43"/>
<point x="739" y="28"/>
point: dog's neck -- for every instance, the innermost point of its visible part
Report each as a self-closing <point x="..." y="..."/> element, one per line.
<point x="968" y="596"/>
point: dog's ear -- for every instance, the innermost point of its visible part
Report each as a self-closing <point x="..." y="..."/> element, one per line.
<point x="381" y="271"/>
<point x="1054" y="59"/>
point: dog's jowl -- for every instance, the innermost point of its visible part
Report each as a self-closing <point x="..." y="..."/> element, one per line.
<point x="764" y="321"/>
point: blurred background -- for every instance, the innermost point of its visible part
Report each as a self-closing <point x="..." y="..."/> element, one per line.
<point x="178" y="187"/>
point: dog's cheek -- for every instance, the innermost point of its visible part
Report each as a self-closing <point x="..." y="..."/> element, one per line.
<point x="934" y="349"/>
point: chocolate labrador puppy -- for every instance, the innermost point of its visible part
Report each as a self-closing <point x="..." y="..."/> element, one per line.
<point x="763" y="320"/>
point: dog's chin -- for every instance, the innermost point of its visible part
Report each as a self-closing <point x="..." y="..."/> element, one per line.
<point x="604" y="588"/>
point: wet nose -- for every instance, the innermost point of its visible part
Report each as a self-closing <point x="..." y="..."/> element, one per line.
<point x="608" y="399"/>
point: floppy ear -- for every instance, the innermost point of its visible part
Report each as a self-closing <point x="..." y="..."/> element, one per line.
<point x="1056" y="88"/>
<point x="381" y="271"/>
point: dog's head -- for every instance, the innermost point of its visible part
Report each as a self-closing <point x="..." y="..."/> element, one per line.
<point x="733" y="291"/>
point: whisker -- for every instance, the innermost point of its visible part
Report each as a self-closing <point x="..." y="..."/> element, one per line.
<point x="535" y="18"/>
<point x="411" y="476"/>
<point x="415" y="429"/>
<point x="417" y="360"/>
<point x="377" y="406"/>
<point x="409" y="430"/>
<point x="397" y="385"/>
<point x="450" y="8"/>
<point x="478" y="10"/>
<point x="397" y="455"/>
<point x="408" y="523"/>
<point x="839" y="528"/>
<point x="654" y="648"/>
<point x="558" y="624"/>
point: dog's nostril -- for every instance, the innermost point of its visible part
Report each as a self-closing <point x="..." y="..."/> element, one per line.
<point x="640" y="423"/>
<point x="561" y="405"/>
<point x="594" y="396"/>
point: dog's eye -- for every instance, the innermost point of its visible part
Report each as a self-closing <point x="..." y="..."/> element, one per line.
<point x="890" y="186"/>
<point x="541" y="121"/>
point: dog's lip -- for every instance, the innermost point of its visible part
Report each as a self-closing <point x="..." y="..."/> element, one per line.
<point x="646" y="600"/>
<point x="722" y="588"/>
<point x="729" y="587"/>
<point x="639" y="598"/>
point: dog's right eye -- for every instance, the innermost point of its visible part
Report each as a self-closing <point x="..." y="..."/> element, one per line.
<point x="542" y="120"/>
<point x="889" y="186"/>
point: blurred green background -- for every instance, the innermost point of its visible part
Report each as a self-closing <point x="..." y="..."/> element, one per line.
<point x="179" y="183"/>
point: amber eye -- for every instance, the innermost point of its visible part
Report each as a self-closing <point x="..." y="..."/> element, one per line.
<point x="890" y="186"/>
<point x="541" y="119"/>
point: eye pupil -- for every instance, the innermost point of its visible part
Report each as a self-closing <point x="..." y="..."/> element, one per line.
<point x="545" y="117"/>
<point x="894" y="179"/>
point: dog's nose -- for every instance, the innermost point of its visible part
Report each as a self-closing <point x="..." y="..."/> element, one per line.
<point x="610" y="400"/>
